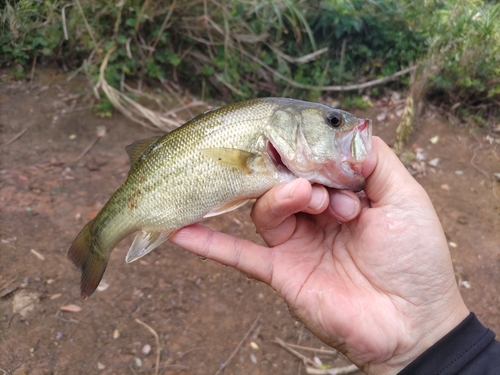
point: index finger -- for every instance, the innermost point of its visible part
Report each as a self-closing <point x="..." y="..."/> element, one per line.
<point x="252" y="259"/>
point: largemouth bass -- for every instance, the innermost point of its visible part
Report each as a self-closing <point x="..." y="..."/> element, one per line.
<point x="215" y="163"/>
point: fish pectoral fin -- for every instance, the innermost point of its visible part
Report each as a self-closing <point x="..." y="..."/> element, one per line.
<point x="226" y="208"/>
<point x="144" y="243"/>
<point x="136" y="149"/>
<point x="232" y="157"/>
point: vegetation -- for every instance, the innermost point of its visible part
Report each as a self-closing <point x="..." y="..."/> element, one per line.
<point x="236" y="49"/>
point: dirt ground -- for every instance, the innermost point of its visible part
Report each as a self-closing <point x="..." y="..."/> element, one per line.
<point x="200" y="310"/>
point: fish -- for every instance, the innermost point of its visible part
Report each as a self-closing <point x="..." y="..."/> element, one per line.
<point x="215" y="163"/>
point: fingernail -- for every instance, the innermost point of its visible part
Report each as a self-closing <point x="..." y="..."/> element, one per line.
<point x="287" y="190"/>
<point x="319" y="196"/>
<point x="344" y="206"/>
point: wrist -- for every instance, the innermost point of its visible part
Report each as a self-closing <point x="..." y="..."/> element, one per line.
<point x="419" y="340"/>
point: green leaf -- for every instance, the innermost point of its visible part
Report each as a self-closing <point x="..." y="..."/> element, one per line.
<point x="207" y="70"/>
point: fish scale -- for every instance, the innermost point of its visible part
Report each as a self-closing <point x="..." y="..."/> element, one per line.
<point x="214" y="164"/>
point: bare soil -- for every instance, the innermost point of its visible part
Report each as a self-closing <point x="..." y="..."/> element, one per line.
<point x="200" y="310"/>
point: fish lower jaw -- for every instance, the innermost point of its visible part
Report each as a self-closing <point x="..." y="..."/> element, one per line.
<point x="357" y="168"/>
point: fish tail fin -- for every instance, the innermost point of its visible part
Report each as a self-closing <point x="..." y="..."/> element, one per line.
<point x="89" y="258"/>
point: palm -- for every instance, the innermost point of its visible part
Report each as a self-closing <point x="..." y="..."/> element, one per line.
<point x="322" y="269"/>
<point x="379" y="287"/>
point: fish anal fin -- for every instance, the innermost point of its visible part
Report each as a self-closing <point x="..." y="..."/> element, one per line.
<point x="232" y="157"/>
<point x="145" y="242"/>
<point x="92" y="261"/>
<point x="136" y="149"/>
<point x="227" y="207"/>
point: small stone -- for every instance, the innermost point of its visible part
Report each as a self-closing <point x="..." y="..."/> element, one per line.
<point x="459" y="173"/>
<point x="253" y="358"/>
<point x="254" y="346"/>
<point x="116" y="334"/>
<point x="103" y="285"/>
<point x="452" y="244"/>
<point x="465" y="284"/>
<point x="138" y="362"/>
<point x="24" y="302"/>
<point x="434" y="139"/>
<point x="146" y="349"/>
<point x="434" y="162"/>
<point x="382" y="116"/>
<point x="100" y="366"/>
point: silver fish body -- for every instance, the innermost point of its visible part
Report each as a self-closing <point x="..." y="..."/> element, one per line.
<point x="215" y="163"/>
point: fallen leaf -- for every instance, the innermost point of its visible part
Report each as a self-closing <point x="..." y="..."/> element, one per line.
<point x="71" y="308"/>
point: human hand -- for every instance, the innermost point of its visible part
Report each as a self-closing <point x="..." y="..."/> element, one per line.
<point x="371" y="275"/>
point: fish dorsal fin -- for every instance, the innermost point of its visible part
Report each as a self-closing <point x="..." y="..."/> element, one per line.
<point x="136" y="149"/>
<point x="232" y="157"/>
<point x="144" y="243"/>
<point x="227" y="207"/>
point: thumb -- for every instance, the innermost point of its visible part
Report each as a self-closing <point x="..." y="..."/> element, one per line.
<point x="387" y="179"/>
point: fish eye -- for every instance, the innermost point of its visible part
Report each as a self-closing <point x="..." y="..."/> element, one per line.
<point x="334" y="119"/>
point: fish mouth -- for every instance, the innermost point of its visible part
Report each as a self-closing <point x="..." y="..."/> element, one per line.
<point x="351" y="178"/>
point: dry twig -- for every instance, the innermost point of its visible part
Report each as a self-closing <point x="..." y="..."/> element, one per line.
<point x="287" y="347"/>
<point x="130" y="108"/>
<point x="101" y="132"/>
<point x="15" y="138"/>
<point x="238" y="347"/>
<point x="85" y="20"/>
<point x="157" y="339"/>
<point x="312" y="366"/>
<point x="360" y="86"/>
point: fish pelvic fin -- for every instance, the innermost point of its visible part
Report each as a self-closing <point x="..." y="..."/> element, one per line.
<point x="92" y="261"/>
<point x="227" y="207"/>
<point x="145" y="242"/>
<point x="232" y="157"/>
